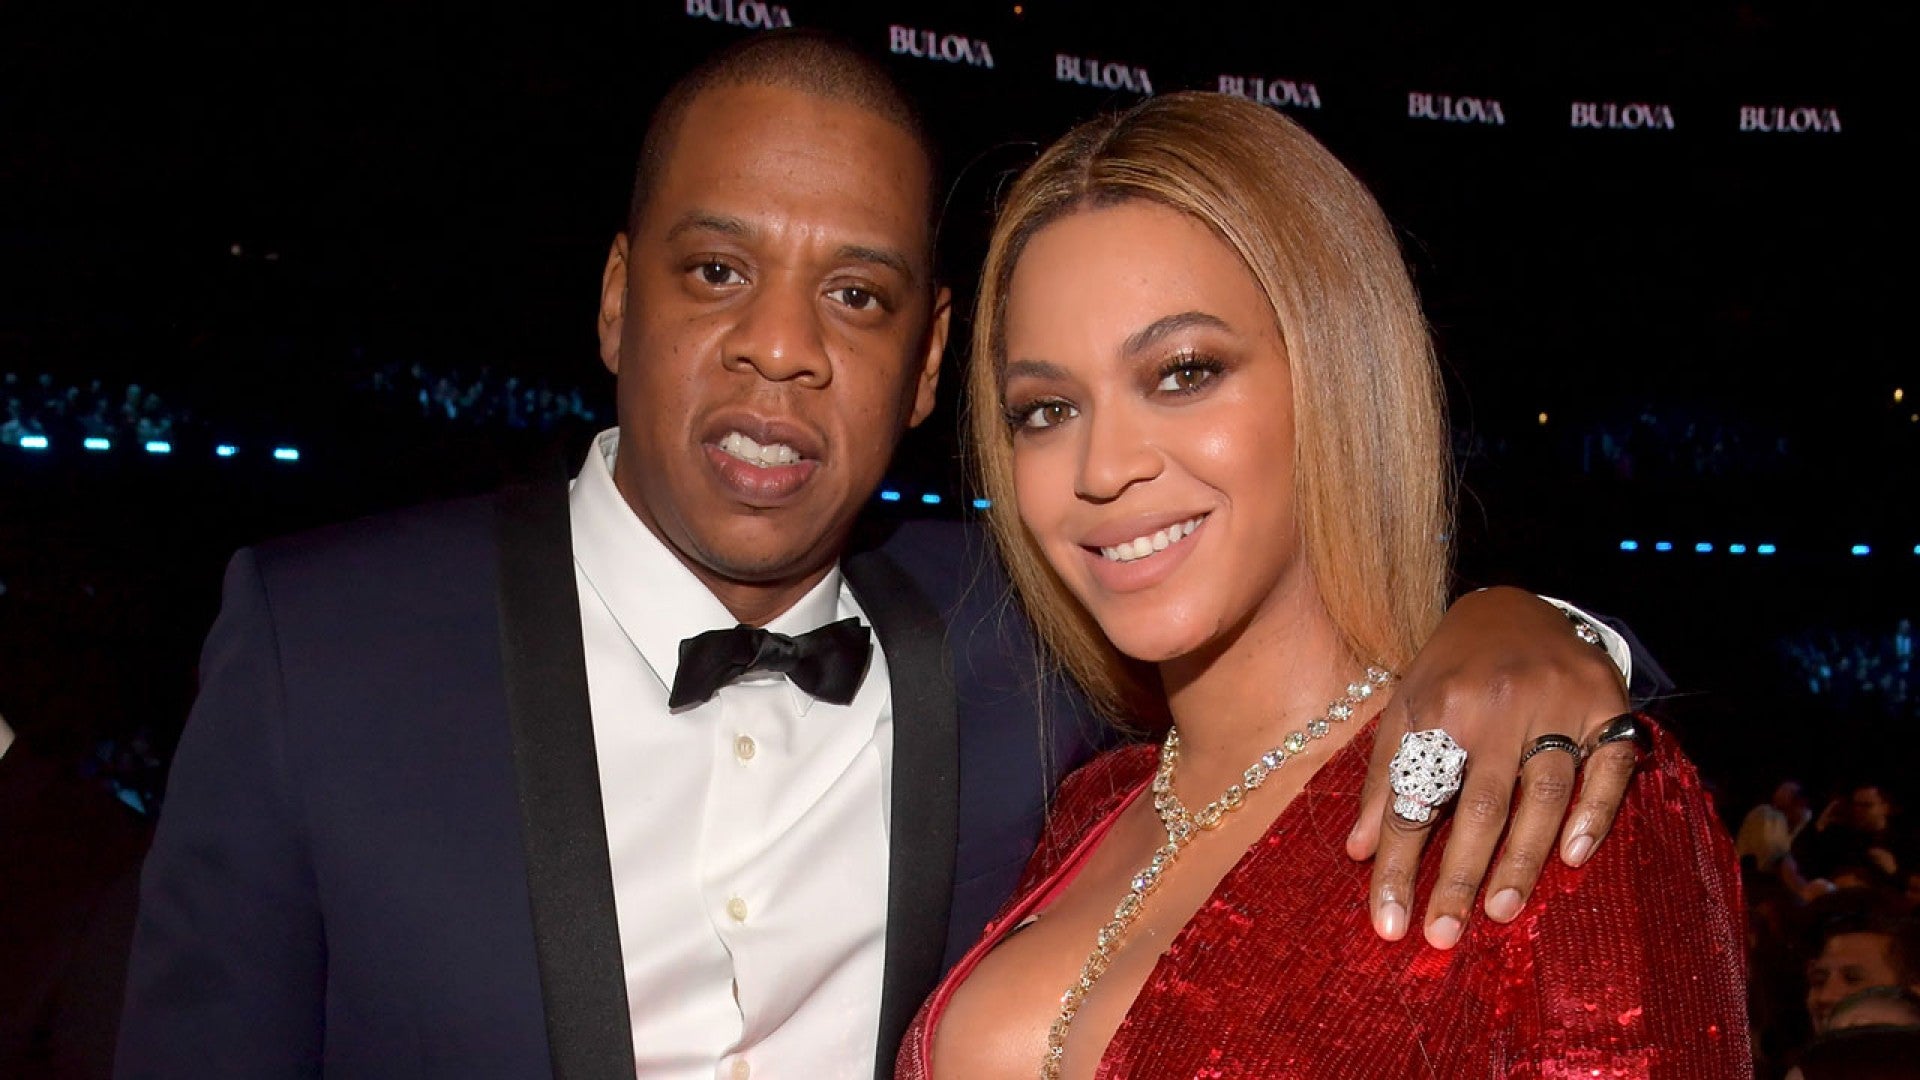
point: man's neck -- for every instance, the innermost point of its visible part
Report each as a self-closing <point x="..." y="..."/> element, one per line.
<point x="756" y="603"/>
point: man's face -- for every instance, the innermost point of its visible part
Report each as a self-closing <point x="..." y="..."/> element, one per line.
<point x="1870" y="809"/>
<point x="774" y="330"/>
<point x="1847" y="963"/>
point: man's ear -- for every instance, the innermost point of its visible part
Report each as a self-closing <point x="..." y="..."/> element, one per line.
<point x="929" y="380"/>
<point x="613" y="303"/>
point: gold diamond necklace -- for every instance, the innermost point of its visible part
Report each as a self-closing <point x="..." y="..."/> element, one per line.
<point x="1182" y="826"/>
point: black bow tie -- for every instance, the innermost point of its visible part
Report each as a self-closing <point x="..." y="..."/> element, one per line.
<point x="827" y="663"/>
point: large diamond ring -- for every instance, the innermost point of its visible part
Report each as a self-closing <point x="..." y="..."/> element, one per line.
<point x="1426" y="773"/>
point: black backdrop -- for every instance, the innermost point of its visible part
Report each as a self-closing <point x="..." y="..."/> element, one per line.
<point x="253" y="211"/>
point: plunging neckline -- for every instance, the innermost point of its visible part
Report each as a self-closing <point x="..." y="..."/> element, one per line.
<point x="1319" y="785"/>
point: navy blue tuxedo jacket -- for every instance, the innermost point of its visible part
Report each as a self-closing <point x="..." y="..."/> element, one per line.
<point x="383" y="851"/>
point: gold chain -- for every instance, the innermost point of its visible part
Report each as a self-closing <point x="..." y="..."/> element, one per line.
<point x="1182" y="827"/>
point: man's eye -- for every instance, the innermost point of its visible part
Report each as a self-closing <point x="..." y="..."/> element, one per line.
<point x="855" y="297"/>
<point x="717" y="274"/>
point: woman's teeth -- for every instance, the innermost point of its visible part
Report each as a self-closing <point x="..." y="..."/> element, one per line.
<point x="1142" y="546"/>
<point x="739" y="446"/>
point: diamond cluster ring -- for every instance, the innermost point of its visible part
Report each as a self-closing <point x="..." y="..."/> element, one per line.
<point x="1426" y="773"/>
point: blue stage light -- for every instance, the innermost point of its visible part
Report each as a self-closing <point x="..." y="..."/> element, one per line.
<point x="97" y="444"/>
<point x="1736" y="549"/>
<point x="1629" y="545"/>
<point x="1766" y="549"/>
<point x="987" y="504"/>
<point x="1861" y="549"/>
<point x="39" y="442"/>
<point x="285" y="453"/>
<point x="1662" y="545"/>
<point x="930" y="499"/>
<point x="159" y="446"/>
<point x="1703" y="548"/>
<point x="226" y="450"/>
<point x="889" y="496"/>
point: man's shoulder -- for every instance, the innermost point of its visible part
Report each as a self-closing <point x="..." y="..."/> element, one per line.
<point x="445" y="534"/>
<point x="950" y="560"/>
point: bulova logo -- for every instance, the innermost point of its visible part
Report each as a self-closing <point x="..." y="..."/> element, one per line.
<point x="1458" y="110"/>
<point x="1631" y="116"/>
<point x="1796" y="121"/>
<point x="1088" y="71"/>
<point x="751" y="14"/>
<point x="927" y="45"/>
<point x="1280" y="93"/>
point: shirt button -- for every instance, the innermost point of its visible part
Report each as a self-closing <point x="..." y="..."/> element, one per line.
<point x="743" y="748"/>
<point x="737" y="909"/>
<point x="741" y="1070"/>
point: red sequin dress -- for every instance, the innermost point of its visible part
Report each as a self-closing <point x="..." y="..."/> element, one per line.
<point x="1628" y="967"/>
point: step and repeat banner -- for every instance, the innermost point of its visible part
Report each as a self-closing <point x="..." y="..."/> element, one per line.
<point x="1611" y="213"/>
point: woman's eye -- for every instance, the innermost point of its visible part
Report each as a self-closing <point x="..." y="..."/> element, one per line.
<point x="718" y="274"/>
<point x="1046" y="414"/>
<point x="1185" y="379"/>
<point x="855" y="297"/>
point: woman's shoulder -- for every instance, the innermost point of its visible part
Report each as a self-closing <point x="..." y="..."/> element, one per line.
<point x="1666" y="827"/>
<point x="1088" y="796"/>
<point x="1097" y="788"/>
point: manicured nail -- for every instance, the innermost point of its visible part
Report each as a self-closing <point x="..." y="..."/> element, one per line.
<point x="1444" y="933"/>
<point x="1579" y="849"/>
<point x="1503" y="905"/>
<point x="1392" y="921"/>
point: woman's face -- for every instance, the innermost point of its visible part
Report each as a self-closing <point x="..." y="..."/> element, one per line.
<point x="1152" y="413"/>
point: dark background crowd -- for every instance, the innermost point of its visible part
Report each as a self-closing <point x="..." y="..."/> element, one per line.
<point x="313" y="265"/>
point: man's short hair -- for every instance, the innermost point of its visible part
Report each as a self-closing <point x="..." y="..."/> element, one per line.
<point x="1869" y="911"/>
<point x="811" y="61"/>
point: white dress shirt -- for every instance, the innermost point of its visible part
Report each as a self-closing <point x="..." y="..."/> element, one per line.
<point x="747" y="835"/>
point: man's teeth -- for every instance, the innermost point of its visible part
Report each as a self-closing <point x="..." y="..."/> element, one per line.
<point x="738" y="445"/>
<point x="1142" y="546"/>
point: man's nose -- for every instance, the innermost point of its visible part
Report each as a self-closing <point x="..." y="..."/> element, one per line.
<point x="779" y="336"/>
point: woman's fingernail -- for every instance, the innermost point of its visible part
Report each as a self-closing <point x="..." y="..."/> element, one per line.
<point x="1579" y="849"/>
<point x="1444" y="933"/>
<point x="1392" y="921"/>
<point x="1503" y="905"/>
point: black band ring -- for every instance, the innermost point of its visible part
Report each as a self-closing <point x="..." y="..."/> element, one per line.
<point x="1552" y="741"/>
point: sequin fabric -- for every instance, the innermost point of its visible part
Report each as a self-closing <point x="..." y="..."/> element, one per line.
<point x="1628" y="967"/>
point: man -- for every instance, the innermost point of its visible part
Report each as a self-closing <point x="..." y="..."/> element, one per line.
<point x="1852" y="841"/>
<point x="69" y="858"/>
<point x="459" y="801"/>
<point x="1867" y="946"/>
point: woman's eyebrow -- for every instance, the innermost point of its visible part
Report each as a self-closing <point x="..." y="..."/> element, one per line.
<point x="1146" y="338"/>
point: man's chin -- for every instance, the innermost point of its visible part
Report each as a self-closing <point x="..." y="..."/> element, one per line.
<point x="765" y="551"/>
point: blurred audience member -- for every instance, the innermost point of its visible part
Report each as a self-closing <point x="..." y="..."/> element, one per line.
<point x="1876" y="1006"/>
<point x="1862" y="1053"/>
<point x="1766" y="834"/>
<point x="69" y="868"/>
<point x="1852" y="842"/>
<point x="1863" y="943"/>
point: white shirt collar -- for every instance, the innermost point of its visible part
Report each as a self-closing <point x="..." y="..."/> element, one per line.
<point x="657" y="601"/>
<point x="6" y="737"/>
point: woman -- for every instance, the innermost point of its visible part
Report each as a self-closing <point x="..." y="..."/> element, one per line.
<point x="1218" y="479"/>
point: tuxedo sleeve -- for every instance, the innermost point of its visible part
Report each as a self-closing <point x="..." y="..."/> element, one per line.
<point x="228" y="970"/>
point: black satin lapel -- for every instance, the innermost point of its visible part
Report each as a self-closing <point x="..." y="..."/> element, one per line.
<point x="569" y="880"/>
<point x="926" y="788"/>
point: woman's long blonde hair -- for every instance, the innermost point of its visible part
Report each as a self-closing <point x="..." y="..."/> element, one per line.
<point x="1372" y="474"/>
